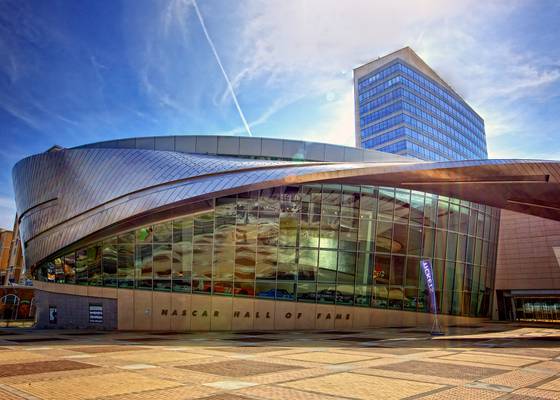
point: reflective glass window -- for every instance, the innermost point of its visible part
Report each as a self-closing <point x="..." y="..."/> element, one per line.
<point x="266" y="263"/>
<point x="362" y="295"/>
<point x="364" y="268"/>
<point x="183" y="230"/>
<point x="306" y="292"/>
<point x="326" y="293"/>
<point x="381" y="269"/>
<point x="309" y="231"/>
<point x="181" y="267"/>
<point x="397" y="270"/>
<point x="366" y="235"/>
<point x="402" y="206"/>
<point x="386" y="204"/>
<point x="285" y="291"/>
<point x="202" y="262"/>
<point x="307" y="266"/>
<point x="368" y="203"/>
<point x="289" y="224"/>
<point x="203" y="229"/>
<point x="95" y="275"/>
<point x="145" y="234"/>
<point x="267" y="229"/>
<point x="346" y="267"/>
<point x="163" y="232"/>
<point x="109" y="264"/>
<point x="287" y="263"/>
<point x="400" y="238"/>
<point x="244" y="288"/>
<point x="224" y="262"/>
<point x="329" y="232"/>
<point x="245" y="259"/>
<point x="412" y="271"/>
<point x="144" y="266"/>
<point x="70" y="268"/>
<point x="414" y="240"/>
<point x="384" y="237"/>
<point x="348" y="237"/>
<point x="327" y="265"/>
<point x="417" y="208"/>
<point x="162" y="266"/>
<point x="430" y="210"/>
<point x="125" y="265"/>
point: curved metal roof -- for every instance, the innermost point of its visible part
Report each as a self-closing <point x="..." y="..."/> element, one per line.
<point x="65" y="196"/>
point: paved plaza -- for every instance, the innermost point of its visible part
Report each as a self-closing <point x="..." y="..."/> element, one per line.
<point x="489" y="361"/>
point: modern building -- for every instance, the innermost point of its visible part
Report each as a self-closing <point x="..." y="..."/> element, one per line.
<point x="5" y="245"/>
<point x="15" y="259"/>
<point x="212" y="232"/>
<point x="402" y="106"/>
<point x="528" y="269"/>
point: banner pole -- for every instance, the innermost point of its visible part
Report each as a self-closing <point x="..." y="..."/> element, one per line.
<point x="429" y="275"/>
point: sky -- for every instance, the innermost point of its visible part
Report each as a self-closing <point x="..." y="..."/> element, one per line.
<point x="79" y="72"/>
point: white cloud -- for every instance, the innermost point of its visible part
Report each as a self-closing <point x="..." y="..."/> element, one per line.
<point x="300" y="46"/>
<point x="339" y="128"/>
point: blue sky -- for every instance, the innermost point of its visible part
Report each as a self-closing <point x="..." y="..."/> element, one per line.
<point x="77" y="72"/>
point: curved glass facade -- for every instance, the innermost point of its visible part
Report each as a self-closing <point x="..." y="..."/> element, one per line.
<point x="329" y="244"/>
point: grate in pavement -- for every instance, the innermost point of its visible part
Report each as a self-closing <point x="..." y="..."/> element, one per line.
<point x="39" y="367"/>
<point x="238" y="368"/>
<point x="36" y="340"/>
<point x="453" y="371"/>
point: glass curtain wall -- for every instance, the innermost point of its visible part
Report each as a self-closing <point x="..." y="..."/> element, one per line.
<point x="330" y="244"/>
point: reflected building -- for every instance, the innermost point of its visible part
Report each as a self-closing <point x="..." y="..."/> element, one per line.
<point x="211" y="232"/>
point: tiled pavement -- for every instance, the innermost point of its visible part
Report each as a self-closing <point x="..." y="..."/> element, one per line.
<point x="491" y="361"/>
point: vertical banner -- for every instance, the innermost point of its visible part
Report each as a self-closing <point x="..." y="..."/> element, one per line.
<point x="426" y="266"/>
<point x="430" y="285"/>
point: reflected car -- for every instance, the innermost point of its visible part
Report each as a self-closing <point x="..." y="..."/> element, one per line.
<point x="276" y="293"/>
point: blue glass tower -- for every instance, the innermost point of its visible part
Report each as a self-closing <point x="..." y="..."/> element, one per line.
<point x="402" y="106"/>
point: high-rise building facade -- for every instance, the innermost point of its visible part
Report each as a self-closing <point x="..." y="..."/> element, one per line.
<point x="402" y="106"/>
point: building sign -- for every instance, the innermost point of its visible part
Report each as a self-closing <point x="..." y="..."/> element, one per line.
<point x="53" y="315"/>
<point x="256" y="315"/>
<point x="95" y="313"/>
<point x="426" y="266"/>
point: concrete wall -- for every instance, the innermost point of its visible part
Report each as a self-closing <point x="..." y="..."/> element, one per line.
<point x="160" y="311"/>
<point x="528" y="251"/>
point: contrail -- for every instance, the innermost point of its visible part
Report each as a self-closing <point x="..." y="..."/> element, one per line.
<point x="221" y="67"/>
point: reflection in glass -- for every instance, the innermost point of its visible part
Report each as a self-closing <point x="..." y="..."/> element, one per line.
<point x="332" y="244"/>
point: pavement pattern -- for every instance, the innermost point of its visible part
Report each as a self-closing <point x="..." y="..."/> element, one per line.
<point x="488" y="361"/>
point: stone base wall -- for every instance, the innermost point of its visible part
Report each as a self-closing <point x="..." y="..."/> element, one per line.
<point x="161" y="311"/>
